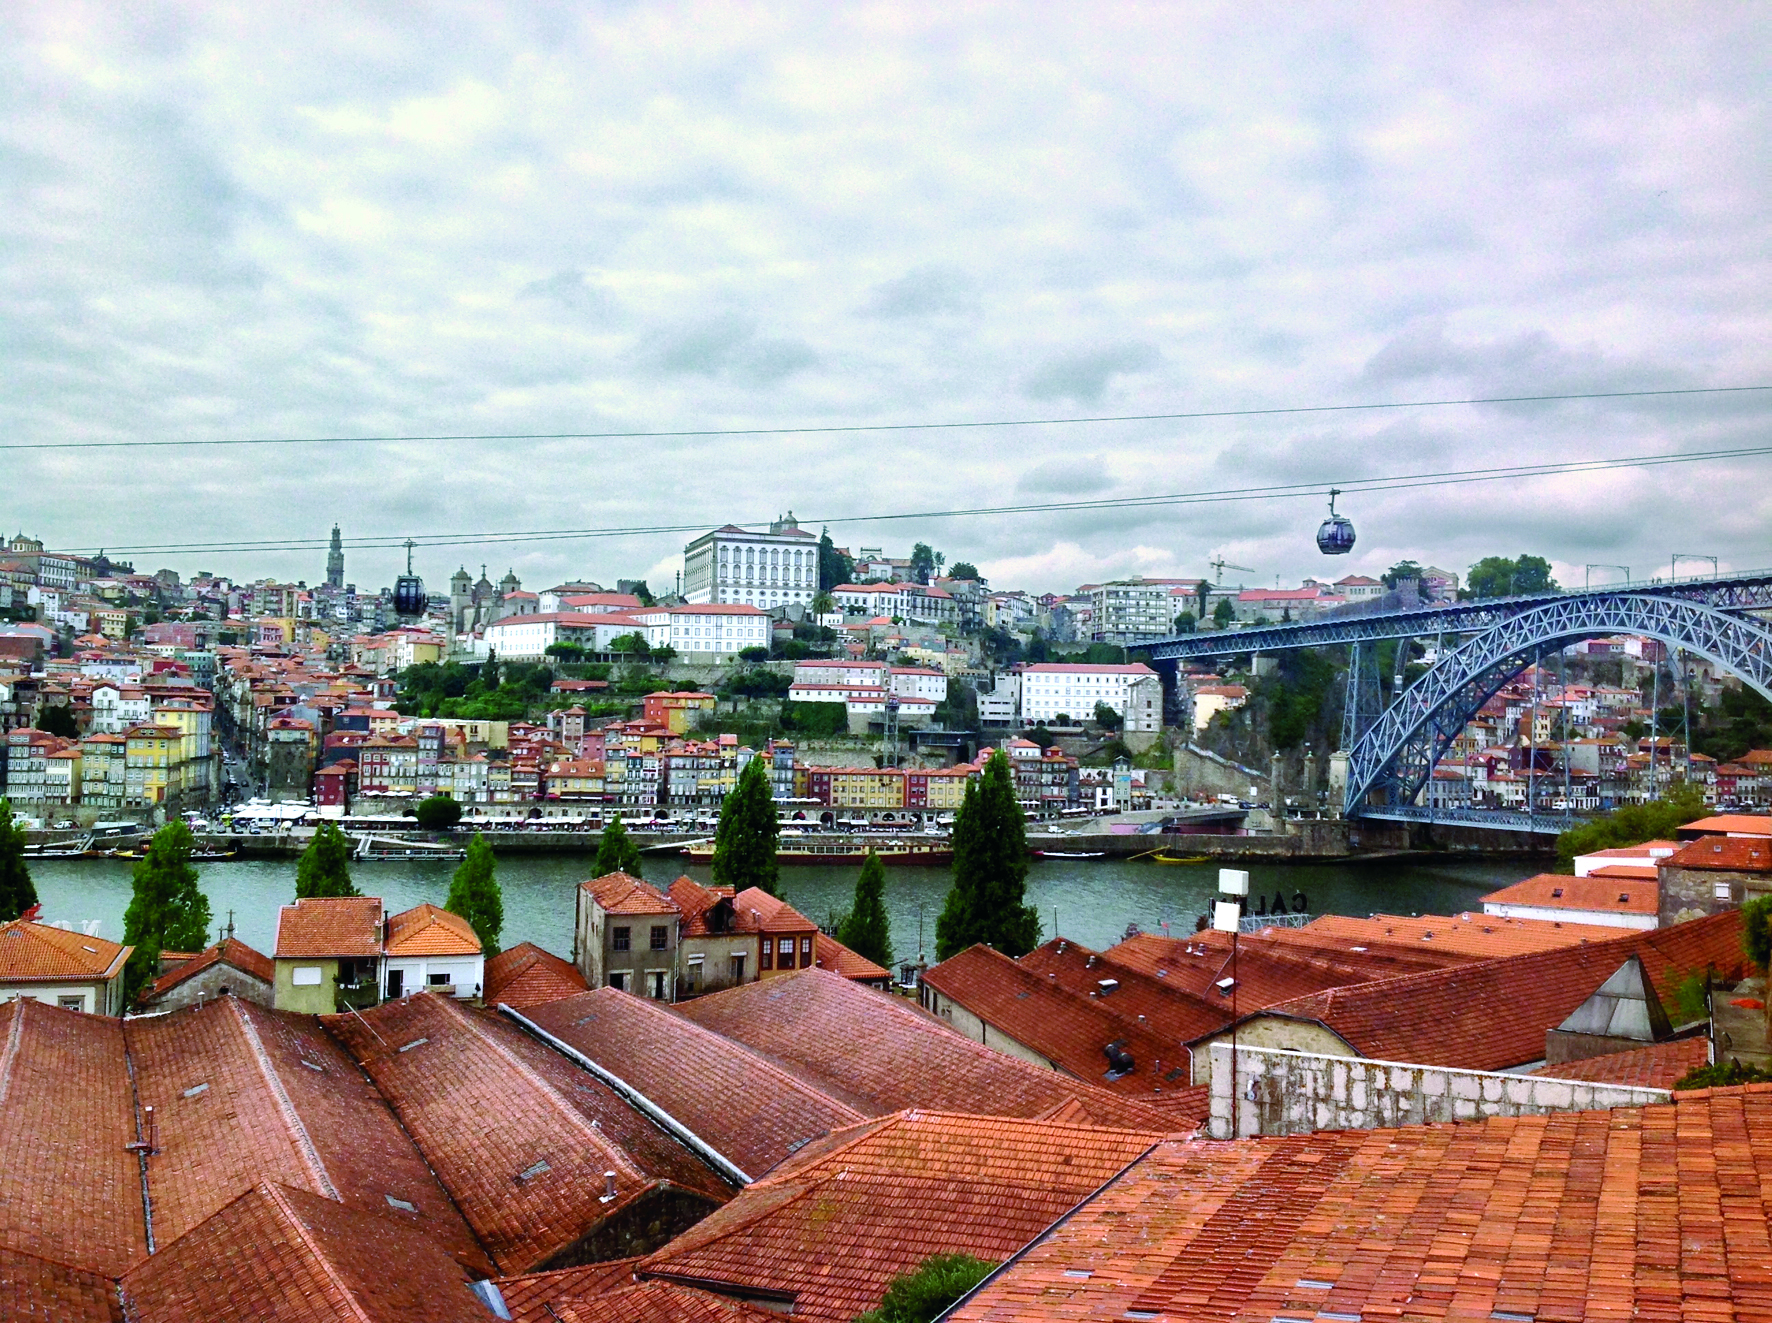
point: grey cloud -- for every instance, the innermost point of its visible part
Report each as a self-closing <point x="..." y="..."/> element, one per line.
<point x="1082" y="476"/>
<point x="573" y="292"/>
<point x="1084" y="377"/>
<point x="925" y="291"/>
<point x="729" y="347"/>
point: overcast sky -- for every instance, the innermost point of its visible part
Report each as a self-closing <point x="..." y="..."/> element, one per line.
<point x="400" y="219"/>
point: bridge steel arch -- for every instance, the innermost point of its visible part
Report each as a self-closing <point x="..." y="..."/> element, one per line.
<point x="1397" y="754"/>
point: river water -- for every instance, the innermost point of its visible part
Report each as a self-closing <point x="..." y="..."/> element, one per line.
<point x="1088" y="900"/>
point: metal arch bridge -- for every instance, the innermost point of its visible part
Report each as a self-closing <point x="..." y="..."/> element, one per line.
<point x="1392" y="751"/>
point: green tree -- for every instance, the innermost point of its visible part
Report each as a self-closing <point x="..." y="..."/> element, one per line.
<point x="987" y="902"/>
<point x="1632" y="825"/>
<point x="1497" y="576"/>
<point x="964" y="569"/>
<point x="744" y="845"/>
<point x="438" y="813"/>
<point x="1403" y="569"/>
<point x="1723" y="1075"/>
<point x="58" y="720"/>
<point x="474" y="895"/>
<point x="615" y="852"/>
<point x="1106" y="717"/>
<point x="834" y="568"/>
<point x="167" y="911"/>
<point x="925" y="1293"/>
<point x="1756" y="932"/>
<point x="635" y="643"/>
<point x="824" y="604"/>
<point x="324" y="868"/>
<point x="1186" y="622"/>
<point x="922" y="562"/>
<point x="1223" y="613"/>
<point x="17" y="894"/>
<point x="866" y="930"/>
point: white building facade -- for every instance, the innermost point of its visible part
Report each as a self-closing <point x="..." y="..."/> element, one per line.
<point x="737" y="565"/>
<point x="1052" y="689"/>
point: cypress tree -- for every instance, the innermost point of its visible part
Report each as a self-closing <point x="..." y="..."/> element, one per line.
<point x="324" y="868"/>
<point x="17" y="894"/>
<point x="987" y="902"/>
<point x="167" y="912"/>
<point x="866" y="930"/>
<point x="615" y="852"/>
<point x="744" y="846"/>
<point x="474" y="894"/>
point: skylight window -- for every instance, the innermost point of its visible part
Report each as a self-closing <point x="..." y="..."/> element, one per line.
<point x="401" y="1204"/>
<point x="417" y="1042"/>
<point x="537" y="1168"/>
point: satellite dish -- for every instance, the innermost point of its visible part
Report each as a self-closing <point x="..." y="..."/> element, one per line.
<point x="1336" y="535"/>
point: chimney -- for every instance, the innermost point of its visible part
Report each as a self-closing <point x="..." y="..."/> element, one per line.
<point x="608" y="1186"/>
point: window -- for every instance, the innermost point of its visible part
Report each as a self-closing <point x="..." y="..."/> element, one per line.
<point x="661" y="935"/>
<point x="768" y="957"/>
<point x="618" y="979"/>
<point x="71" y="1003"/>
<point x="441" y="980"/>
<point x="621" y="939"/>
<point x="656" y="978"/>
<point x="738" y="968"/>
<point x="805" y="953"/>
<point x="787" y="953"/>
<point x="305" y="976"/>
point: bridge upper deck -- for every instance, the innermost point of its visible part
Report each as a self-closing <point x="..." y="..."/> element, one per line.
<point x="1363" y="623"/>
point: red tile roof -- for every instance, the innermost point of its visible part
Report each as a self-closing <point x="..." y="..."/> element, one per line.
<point x="1494" y="1014"/>
<point x="518" y="1134"/>
<point x="1593" y="893"/>
<point x="1069" y="1029"/>
<point x="1653" y="1212"/>
<point x="37" y="953"/>
<point x="1741" y="824"/>
<point x="1473" y="936"/>
<point x="1169" y="1010"/>
<point x="69" y="1190"/>
<point x="758" y="911"/>
<point x="243" y="1095"/>
<point x="285" y="1255"/>
<point x="852" y="1043"/>
<point x="228" y="952"/>
<point x="832" y="1226"/>
<point x="429" y="930"/>
<point x="760" y="1115"/>
<point x="829" y="953"/>
<point x="541" y="1297"/>
<point x="37" y="1288"/>
<point x="618" y="893"/>
<point x="1739" y="854"/>
<point x="525" y="975"/>
<point x="695" y="900"/>
<point x="323" y="927"/>
<point x="1658" y="1066"/>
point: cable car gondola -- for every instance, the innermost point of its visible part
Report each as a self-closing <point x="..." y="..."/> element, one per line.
<point x="1336" y="536"/>
<point x="409" y="590"/>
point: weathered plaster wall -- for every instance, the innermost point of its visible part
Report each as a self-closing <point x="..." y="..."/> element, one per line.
<point x="1288" y="1093"/>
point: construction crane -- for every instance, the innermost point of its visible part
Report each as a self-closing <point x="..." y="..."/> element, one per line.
<point x="1220" y="565"/>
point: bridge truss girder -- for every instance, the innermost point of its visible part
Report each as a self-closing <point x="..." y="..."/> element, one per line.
<point x="1397" y="754"/>
<point x="1741" y="592"/>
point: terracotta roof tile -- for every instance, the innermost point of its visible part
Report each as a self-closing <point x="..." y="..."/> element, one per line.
<point x="1169" y="1009"/>
<point x="829" y="953"/>
<point x="1494" y="1014"/>
<point x="530" y="1296"/>
<point x="1659" y="1066"/>
<point x="757" y="1114"/>
<point x="1472" y="936"/>
<point x="695" y="900"/>
<point x="330" y="926"/>
<point x="243" y="1095"/>
<point x="1273" y="965"/>
<point x="758" y="911"/>
<point x="428" y="930"/>
<point x="852" y="1043"/>
<point x="618" y="893"/>
<point x="831" y="1227"/>
<point x="607" y="1293"/>
<point x="275" y="1254"/>
<point x="1747" y="854"/>
<point x="229" y="952"/>
<point x="1597" y="892"/>
<point x="1739" y="824"/>
<point x="1072" y="1030"/>
<point x="36" y="1288"/>
<point x="69" y="1190"/>
<point x="525" y="975"/>
<point x="519" y="1135"/>
<point x="1653" y="1212"/>
<point x="35" y="952"/>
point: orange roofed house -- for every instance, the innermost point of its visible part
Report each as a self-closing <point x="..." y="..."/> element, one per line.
<point x="339" y="952"/>
<point x="62" y="968"/>
<point x="626" y="936"/>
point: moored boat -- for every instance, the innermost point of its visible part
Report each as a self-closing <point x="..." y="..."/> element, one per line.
<point x="843" y="850"/>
